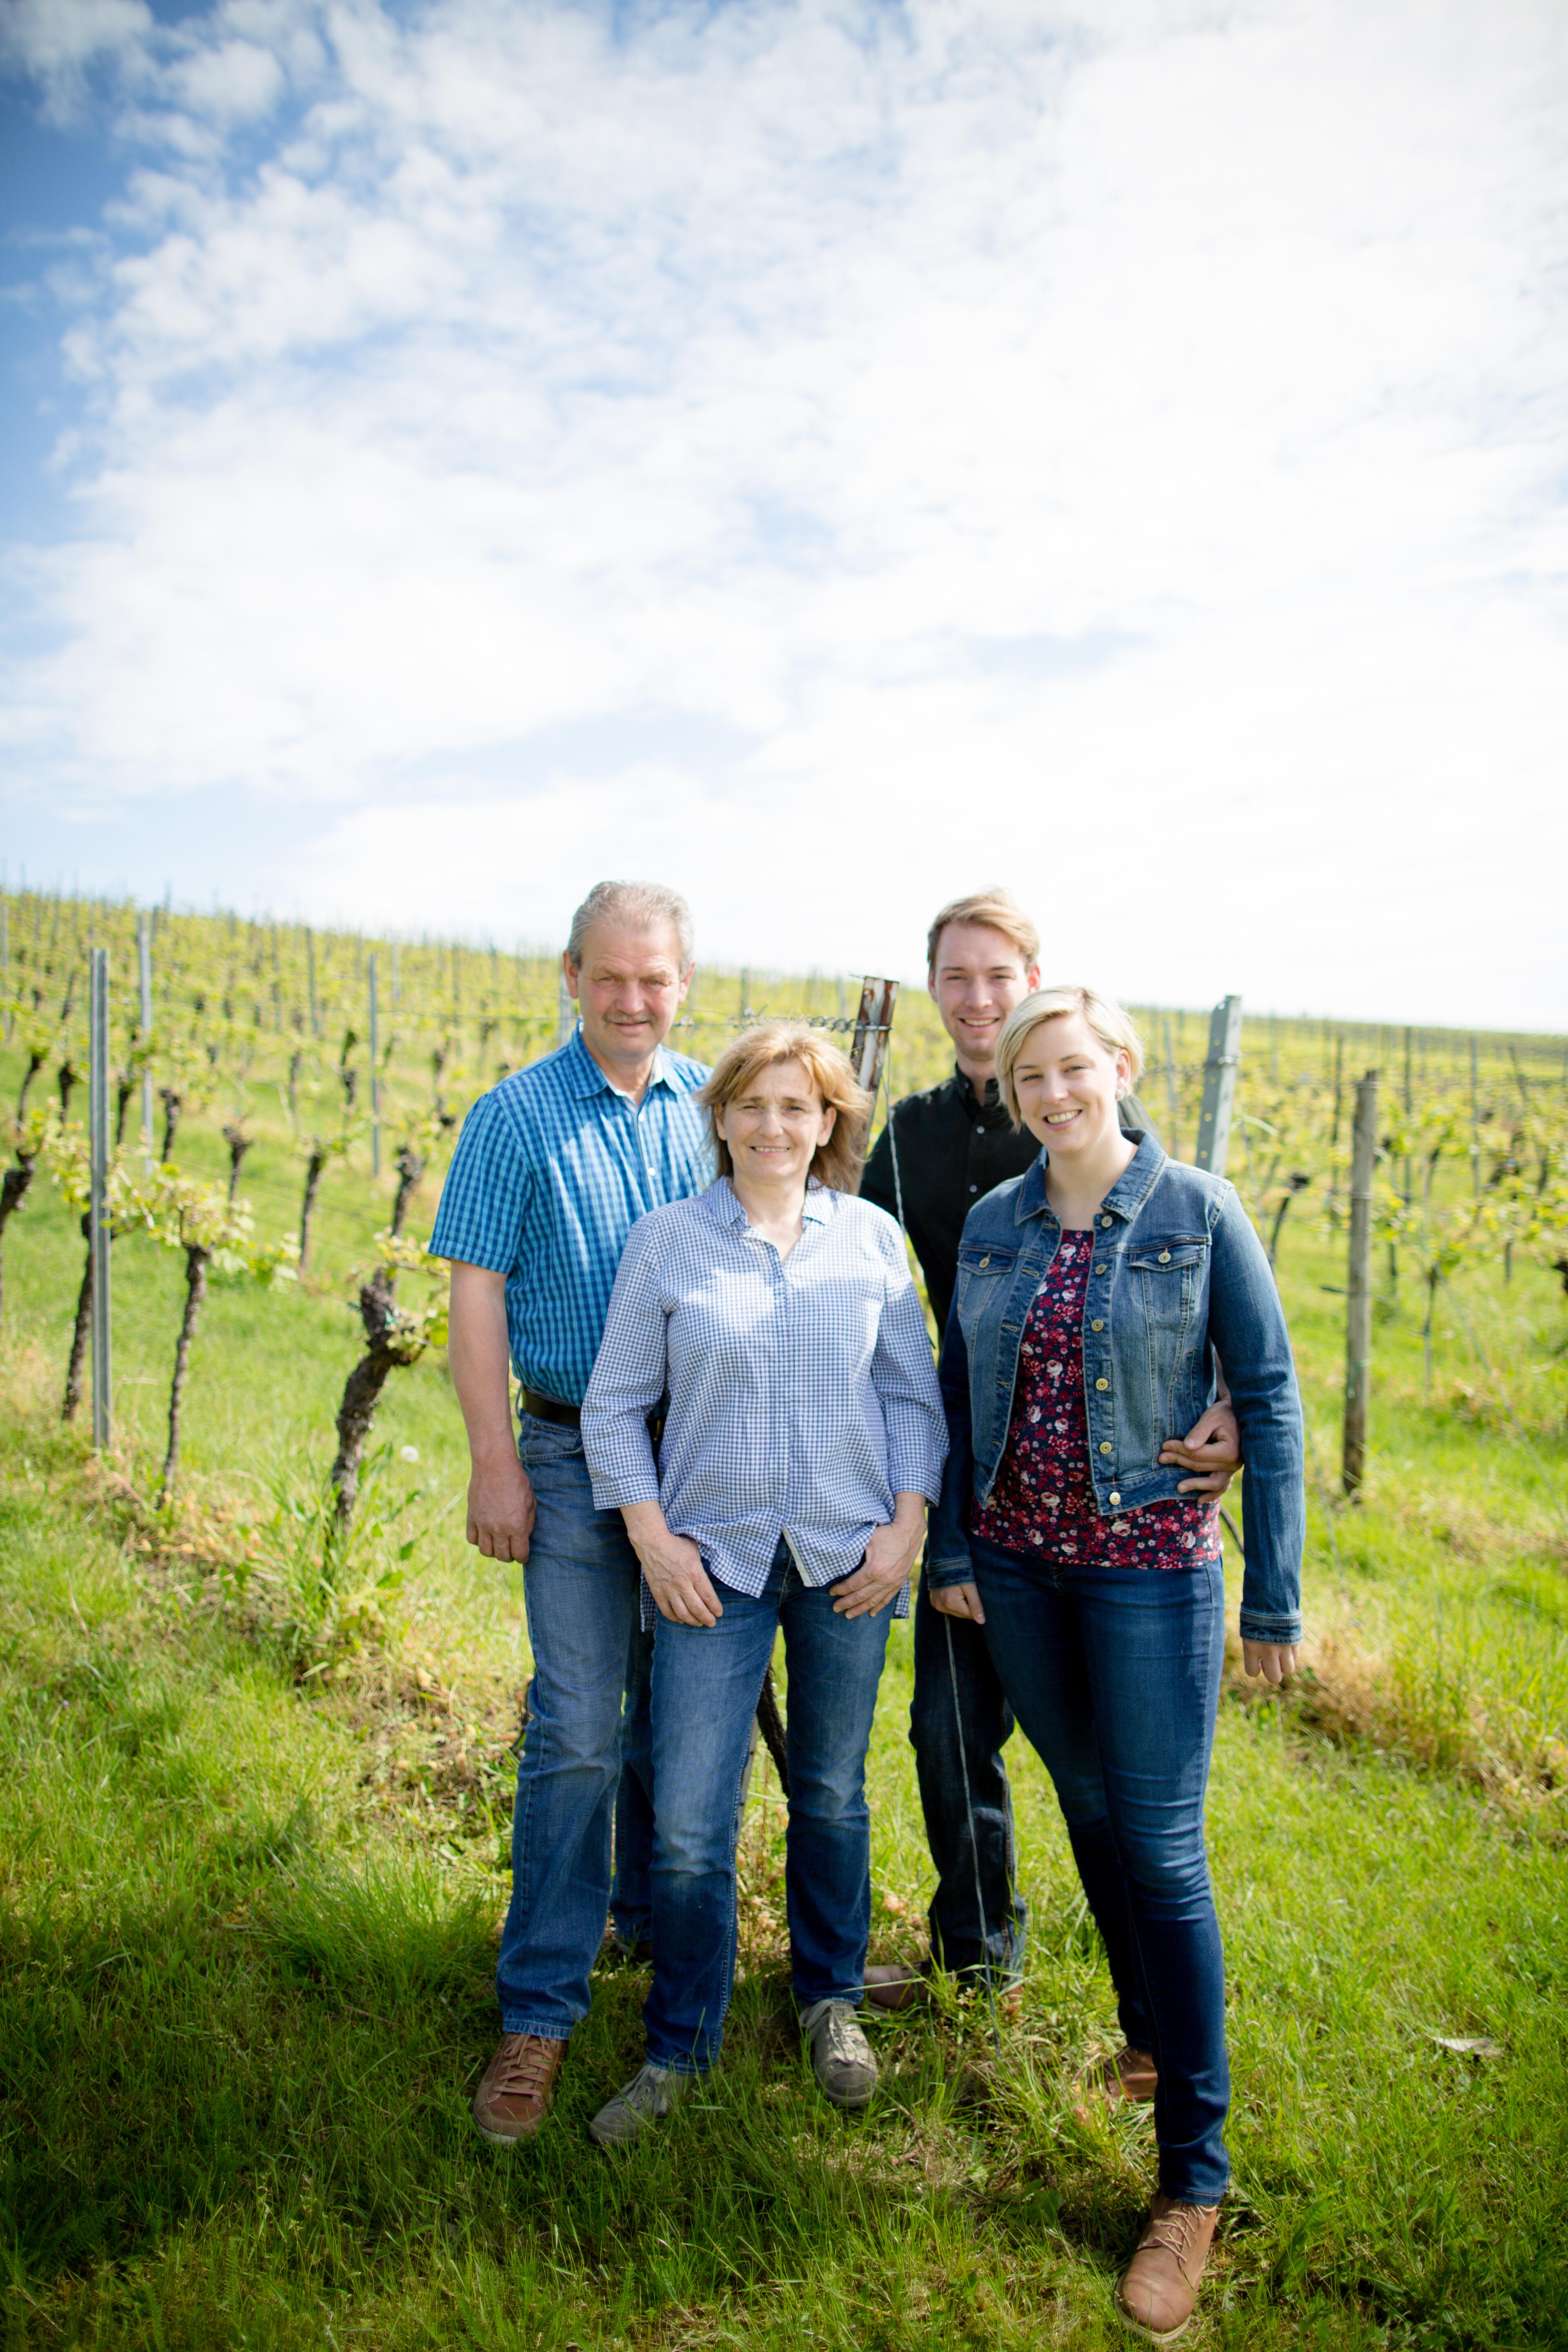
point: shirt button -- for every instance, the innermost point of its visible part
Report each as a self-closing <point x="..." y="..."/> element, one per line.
<point x="1102" y="1384"/>
<point x="974" y="1188"/>
<point x="1105" y="1221"/>
<point x="1104" y="1448"/>
<point x="1097" y="1324"/>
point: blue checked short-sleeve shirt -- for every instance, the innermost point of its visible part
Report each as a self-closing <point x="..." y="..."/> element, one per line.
<point x="802" y="1392"/>
<point x="552" y="1169"/>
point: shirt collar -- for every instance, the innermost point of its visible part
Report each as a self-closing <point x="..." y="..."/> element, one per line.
<point x="1126" y="1196"/>
<point x="723" y="1203"/>
<point x="584" y="1077"/>
<point x="962" y="1087"/>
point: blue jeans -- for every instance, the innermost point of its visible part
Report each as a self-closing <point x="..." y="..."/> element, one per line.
<point x="581" y="1587"/>
<point x="707" y="1680"/>
<point x="948" y="1736"/>
<point x="1114" y="1675"/>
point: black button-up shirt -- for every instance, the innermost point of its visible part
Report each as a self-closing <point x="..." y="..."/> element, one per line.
<point x="952" y="1149"/>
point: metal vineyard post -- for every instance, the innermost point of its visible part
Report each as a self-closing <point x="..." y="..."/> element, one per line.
<point x="1219" y="1085"/>
<point x="1358" y="1317"/>
<point x="98" y="1204"/>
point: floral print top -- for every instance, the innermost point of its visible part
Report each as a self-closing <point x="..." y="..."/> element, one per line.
<point x="1043" y="1501"/>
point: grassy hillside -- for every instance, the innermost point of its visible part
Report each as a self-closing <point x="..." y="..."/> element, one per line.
<point x="252" y="1841"/>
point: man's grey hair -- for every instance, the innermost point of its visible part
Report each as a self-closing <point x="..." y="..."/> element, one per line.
<point x="647" y="904"/>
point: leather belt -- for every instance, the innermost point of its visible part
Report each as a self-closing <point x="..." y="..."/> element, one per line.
<point x="570" y="1416"/>
<point x="543" y="1407"/>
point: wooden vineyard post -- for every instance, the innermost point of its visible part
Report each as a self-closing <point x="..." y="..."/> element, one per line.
<point x="1219" y="1085"/>
<point x="1174" y="1144"/>
<point x="873" y="1027"/>
<point x="144" y="977"/>
<point x="98" y="1187"/>
<point x="1475" y="1120"/>
<point x="868" y="1058"/>
<point x="374" y="1069"/>
<point x="310" y="980"/>
<point x="1358" y="1317"/>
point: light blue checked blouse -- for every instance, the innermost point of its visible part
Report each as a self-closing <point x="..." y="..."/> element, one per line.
<point x="802" y="1393"/>
<point x="551" y="1170"/>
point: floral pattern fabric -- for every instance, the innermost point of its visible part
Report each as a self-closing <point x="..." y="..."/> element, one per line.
<point x="1043" y="1502"/>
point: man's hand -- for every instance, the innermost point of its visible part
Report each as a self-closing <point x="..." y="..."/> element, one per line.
<point x="500" y="1508"/>
<point x="1212" y="1448"/>
<point x="958" y="1601"/>
<point x="680" y="1585"/>
<point x="1272" y="1660"/>
<point x="890" y="1556"/>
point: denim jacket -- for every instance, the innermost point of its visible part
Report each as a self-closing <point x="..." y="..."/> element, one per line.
<point x="1177" y="1275"/>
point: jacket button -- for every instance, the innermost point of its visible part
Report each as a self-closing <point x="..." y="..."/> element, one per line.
<point x="1102" y="1384"/>
<point x="1100" y="1269"/>
<point x="1097" y="1324"/>
<point x="1104" y="1448"/>
<point x="1105" y="1221"/>
<point x="1116" y="1506"/>
<point x="1164" y="1257"/>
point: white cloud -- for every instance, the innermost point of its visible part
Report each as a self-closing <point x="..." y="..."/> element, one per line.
<point x="1123" y="448"/>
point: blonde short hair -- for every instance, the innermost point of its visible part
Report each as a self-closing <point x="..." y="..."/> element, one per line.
<point x="837" y="1161"/>
<point x="1110" y="1023"/>
<point x="998" y="912"/>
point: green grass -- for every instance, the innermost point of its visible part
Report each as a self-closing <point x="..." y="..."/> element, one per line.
<point x="248" y="1920"/>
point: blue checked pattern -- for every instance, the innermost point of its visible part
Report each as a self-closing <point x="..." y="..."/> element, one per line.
<point x="551" y="1170"/>
<point x="802" y="1393"/>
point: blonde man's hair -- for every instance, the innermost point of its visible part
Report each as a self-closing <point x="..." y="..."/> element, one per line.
<point x="998" y="912"/>
<point x="1110" y="1023"/>
<point x="836" y="1162"/>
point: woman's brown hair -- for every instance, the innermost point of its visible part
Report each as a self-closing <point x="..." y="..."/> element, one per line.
<point x="837" y="1161"/>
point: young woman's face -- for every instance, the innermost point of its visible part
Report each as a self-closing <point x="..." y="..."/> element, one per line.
<point x="776" y="1126"/>
<point x="1067" y="1083"/>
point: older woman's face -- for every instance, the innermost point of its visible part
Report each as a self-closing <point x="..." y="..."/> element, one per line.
<point x="774" y="1126"/>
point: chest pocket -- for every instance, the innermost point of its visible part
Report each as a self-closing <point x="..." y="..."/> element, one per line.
<point x="980" y="1271"/>
<point x="1169" y="1275"/>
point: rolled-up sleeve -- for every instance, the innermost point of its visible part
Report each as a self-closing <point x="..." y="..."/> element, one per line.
<point x="486" y="1195"/>
<point x="904" y="1378"/>
<point x="629" y="1378"/>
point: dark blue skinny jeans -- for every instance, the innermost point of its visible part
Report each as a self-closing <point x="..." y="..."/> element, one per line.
<point x="1114" y="1675"/>
<point x="707" y="1680"/>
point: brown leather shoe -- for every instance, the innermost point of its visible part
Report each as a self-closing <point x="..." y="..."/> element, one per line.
<point x="906" y="1984"/>
<point x="897" y="1984"/>
<point x="518" y="2085"/>
<point x="1130" y="2077"/>
<point x="1158" y="2287"/>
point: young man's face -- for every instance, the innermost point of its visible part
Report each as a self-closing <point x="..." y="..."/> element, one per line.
<point x="978" y="978"/>
<point x="629" y="988"/>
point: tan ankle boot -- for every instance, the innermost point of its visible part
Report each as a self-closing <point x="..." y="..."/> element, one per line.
<point x="1160" y="2286"/>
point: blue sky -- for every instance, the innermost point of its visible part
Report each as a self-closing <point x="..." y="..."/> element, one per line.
<point x="827" y="454"/>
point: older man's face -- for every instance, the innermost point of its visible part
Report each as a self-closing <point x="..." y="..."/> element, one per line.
<point x="629" y="988"/>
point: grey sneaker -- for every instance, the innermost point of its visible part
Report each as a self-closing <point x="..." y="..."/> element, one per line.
<point x="841" y="2056"/>
<point x="645" y="2100"/>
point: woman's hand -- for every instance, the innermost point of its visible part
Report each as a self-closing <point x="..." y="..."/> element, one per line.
<point x="957" y="1600"/>
<point x="890" y="1556"/>
<point x="1272" y="1660"/>
<point x="680" y="1585"/>
<point x="1211" y="1448"/>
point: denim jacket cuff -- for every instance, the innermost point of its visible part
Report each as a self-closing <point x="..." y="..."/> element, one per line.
<point x="1258" y="1625"/>
<point x="954" y="1568"/>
